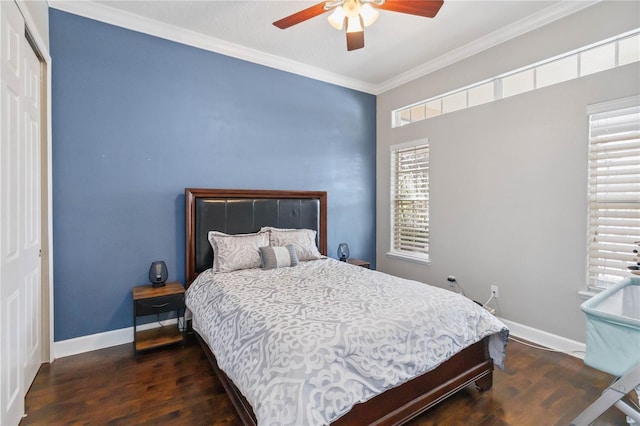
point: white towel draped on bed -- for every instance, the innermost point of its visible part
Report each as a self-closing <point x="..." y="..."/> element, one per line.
<point x="305" y="343"/>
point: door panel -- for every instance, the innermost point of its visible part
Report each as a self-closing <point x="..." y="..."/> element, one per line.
<point x="31" y="250"/>
<point x="20" y="273"/>
<point x="13" y="402"/>
<point x="11" y="379"/>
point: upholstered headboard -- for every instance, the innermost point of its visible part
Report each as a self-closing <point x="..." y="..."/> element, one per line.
<point x="243" y="211"/>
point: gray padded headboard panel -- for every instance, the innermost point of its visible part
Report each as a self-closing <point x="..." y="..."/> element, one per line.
<point x="242" y="211"/>
<point x="234" y="216"/>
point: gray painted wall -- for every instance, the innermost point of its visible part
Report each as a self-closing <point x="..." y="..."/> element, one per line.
<point x="509" y="178"/>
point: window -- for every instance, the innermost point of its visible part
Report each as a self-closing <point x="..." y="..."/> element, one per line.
<point x="614" y="190"/>
<point x="557" y="71"/>
<point x="481" y="94"/>
<point x="629" y="50"/>
<point x="603" y="55"/>
<point x="598" y="59"/>
<point x="454" y="102"/>
<point x="410" y="201"/>
<point x="515" y="84"/>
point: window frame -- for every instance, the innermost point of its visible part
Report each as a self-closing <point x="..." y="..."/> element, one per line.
<point x="600" y="200"/>
<point x="397" y="253"/>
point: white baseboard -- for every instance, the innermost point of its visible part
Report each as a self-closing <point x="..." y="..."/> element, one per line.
<point x="548" y="340"/>
<point x="125" y="335"/>
<point x="97" y="341"/>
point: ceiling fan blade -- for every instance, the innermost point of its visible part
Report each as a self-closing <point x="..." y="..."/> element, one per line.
<point x="301" y="16"/>
<point x="426" y="8"/>
<point x="355" y="40"/>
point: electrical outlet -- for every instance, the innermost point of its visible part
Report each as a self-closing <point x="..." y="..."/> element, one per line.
<point x="494" y="291"/>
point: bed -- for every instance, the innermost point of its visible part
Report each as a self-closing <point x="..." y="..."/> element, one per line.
<point x="393" y="395"/>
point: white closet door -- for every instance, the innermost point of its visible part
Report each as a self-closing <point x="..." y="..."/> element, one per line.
<point x="20" y="282"/>
<point x="31" y="214"/>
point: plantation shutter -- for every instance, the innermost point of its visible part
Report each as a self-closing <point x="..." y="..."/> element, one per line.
<point x="614" y="190"/>
<point x="410" y="199"/>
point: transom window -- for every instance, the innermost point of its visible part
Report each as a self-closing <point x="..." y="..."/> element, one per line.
<point x="606" y="54"/>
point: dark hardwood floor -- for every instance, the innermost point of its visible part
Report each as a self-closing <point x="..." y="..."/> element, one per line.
<point x="176" y="385"/>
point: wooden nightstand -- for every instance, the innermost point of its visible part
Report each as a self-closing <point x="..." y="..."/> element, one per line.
<point x="360" y="262"/>
<point x="148" y="300"/>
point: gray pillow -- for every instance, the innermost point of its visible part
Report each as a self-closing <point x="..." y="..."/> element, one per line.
<point x="239" y="251"/>
<point x="278" y="257"/>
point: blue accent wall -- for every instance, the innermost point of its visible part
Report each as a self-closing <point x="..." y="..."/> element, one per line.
<point x="136" y="119"/>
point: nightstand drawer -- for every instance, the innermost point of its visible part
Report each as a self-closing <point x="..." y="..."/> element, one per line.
<point x="160" y="304"/>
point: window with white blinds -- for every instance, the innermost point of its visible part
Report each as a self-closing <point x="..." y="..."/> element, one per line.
<point x="614" y="190"/>
<point x="410" y="200"/>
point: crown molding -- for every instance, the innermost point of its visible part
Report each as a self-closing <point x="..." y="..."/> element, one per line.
<point x="41" y="42"/>
<point x="109" y="15"/>
<point x="518" y="28"/>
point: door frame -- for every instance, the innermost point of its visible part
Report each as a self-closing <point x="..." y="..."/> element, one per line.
<point x="41" y="49"/>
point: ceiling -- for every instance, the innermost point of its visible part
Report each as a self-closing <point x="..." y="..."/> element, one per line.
<point x="398" y="47"/>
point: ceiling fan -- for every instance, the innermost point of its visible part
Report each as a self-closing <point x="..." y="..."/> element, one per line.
<point x="357" y="14"/>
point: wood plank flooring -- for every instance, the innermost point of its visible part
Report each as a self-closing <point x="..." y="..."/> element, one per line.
<point x="176" y="385"/>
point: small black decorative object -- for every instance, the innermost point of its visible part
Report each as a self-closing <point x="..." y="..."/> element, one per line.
<point x="158" y="273"/>
<point x="343" y="252"/>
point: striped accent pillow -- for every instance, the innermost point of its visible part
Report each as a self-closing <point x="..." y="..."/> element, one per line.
<point x="304" y="240"/>
<point x="278" y="257"/>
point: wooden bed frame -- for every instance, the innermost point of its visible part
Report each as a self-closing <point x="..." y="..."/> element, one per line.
<point x="393" y="407"/>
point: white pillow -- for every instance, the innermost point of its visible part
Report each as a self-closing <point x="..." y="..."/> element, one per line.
<point x="233" y="252"/>
<point x="304" y="240"/>
<point x="278" y="257"/>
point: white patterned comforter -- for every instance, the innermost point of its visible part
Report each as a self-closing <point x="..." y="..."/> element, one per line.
<point x="306" y="343"/>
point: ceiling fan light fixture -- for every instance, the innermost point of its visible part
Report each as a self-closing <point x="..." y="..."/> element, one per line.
<point x="351" y="8"/>
<point x="336" y="19"/>
<point x="369" y="14"/>
<point x="354" y="25"/>
<point x="359" y="14"/>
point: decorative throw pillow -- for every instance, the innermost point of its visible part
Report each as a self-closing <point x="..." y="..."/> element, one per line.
<point x="278" y="257"/>
<point x="304" y="240"/>
<point x="233" y="252"/>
